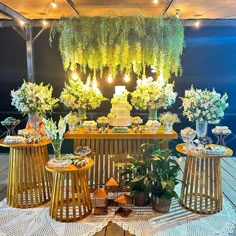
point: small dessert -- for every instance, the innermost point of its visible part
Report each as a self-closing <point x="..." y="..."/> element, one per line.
<point x="83" y="151"/>
<point x="14" y="139"/>
<point x="224" y="130"/>
<point x="153" y="125"/>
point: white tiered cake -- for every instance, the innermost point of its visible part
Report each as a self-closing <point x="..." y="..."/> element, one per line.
<point x="120" y="110"/>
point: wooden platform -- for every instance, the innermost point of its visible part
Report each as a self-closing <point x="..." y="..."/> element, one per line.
<point x="229" y="189"/>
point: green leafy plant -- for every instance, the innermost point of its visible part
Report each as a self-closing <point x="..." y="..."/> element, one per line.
<point x="157" y="172"/>
<point x="165" y="172"/>
<point x="121" y="43"/>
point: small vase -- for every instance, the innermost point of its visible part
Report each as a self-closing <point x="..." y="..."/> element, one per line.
<point x="168" y="126"/>
<point x="72" y="126"/>
<point x="82" y="115"/>
<point x="152" y="114"/>
<point x="33" y="122"/>
<point x="201" y="128"/>
<point x="56" y="144"/>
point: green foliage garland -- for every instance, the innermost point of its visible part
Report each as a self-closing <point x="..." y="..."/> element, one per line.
<point x="121" y="43"/>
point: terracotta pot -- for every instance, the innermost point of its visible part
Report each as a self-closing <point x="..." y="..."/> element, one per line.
<point x="160" y="205"/>
<point x="140" y="199"/>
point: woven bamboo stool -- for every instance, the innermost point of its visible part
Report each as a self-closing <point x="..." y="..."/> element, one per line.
<point x="202" y="183"/>
<point x="70" y="194"/>
<point x="29" y="185"/>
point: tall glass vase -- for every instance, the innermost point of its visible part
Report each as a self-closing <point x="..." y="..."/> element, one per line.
<point x="82" y="115"/>
<point x="152" y="114"/>
<point x="56" y="144"/>
<point x="201" y="128"/>
<point x="33" y="121"/>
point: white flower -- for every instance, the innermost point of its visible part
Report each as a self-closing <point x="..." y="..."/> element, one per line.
<point x="204" y="105"/>
<point x="77" y="95"/>
<point x="33" y="99"/>
<point x="152" y="94"/>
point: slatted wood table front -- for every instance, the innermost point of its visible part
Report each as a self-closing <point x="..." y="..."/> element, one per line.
<point x="110" y="148"/>
<point x="70" y="194"/>
<point x="29" y="184"/>
<point x="202" y="182"/>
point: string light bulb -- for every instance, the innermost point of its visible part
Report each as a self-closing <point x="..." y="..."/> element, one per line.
<point x="127" y="78"/>
<point x="74" y="76"/>
<point x="94" y="84"/>
<point x="53" y="4"/>
<point x="155" y="1"/>
<point x="22" y="23"/>
<point x="44" y="23"/>
<point x="177" y="13"/>
<point x="110" y="79"/>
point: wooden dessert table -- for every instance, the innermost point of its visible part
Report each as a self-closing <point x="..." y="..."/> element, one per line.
<point x="29" y="185"/>
<point x="110" y="148"/>
<point x="70" y="194"/>
<point x="202" y="183"/>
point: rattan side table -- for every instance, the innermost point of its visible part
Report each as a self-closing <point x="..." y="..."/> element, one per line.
<point x="202" y="182"/>
<point x="29" y="185"/>
<point x="70" y="194"/>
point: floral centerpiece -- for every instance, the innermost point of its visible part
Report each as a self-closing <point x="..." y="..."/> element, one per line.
<point x="56" y="132"/>
<point x="204" y="106"/>
<point x="168" y="119"/>
<point x="73" y="120"/>
<point x="32" y="98"/>
<point x="77" y="95"/>
<point x="150" y="94"/>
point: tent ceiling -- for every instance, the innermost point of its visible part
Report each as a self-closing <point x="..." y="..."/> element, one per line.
<point x="189" y="9"/>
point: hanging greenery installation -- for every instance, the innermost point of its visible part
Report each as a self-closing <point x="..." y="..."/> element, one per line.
<point x="120" y="43"/>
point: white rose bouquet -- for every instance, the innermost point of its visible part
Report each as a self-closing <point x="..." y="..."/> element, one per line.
<point x="31" y="98"/>
<point x="204" y="105"/>
<point x="77" y="95"/>
<point x="152" y="94"/>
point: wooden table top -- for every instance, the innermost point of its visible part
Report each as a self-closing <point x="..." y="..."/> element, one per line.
<point x="25" y="145"/>
<point x="70" y="168"/>
<point x="82" y="133"/>
<point x="180" y="148"/>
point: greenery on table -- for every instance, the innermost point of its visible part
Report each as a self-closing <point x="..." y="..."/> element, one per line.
<point x="122" y="43"/>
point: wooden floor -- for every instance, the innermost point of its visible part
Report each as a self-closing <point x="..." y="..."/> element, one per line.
<point x="229" y="189"/>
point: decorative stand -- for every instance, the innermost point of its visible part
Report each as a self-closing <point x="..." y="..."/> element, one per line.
<point x="70" y="195"/>
<point x="29" y="185"/>
<point x="202" y="183"/>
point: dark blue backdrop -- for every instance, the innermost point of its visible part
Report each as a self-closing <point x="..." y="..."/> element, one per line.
<point x="209" y="60"/>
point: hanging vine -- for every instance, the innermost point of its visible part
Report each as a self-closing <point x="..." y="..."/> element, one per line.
<point x="121" y="43"/>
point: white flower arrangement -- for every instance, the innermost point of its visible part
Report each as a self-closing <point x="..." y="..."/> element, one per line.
<point x="152" y="94"/>
<point x="76" y="95"/>
<point x="53" y="130"/>
<point x="169" y="117"/>
<point x="31" y="98"/>
<point x="204" y="105"/>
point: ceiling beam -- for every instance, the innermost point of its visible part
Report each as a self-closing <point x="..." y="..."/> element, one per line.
<point x="168" y="4"/>
<point x="7" y="11"/>
<point x="70" y="2"/>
